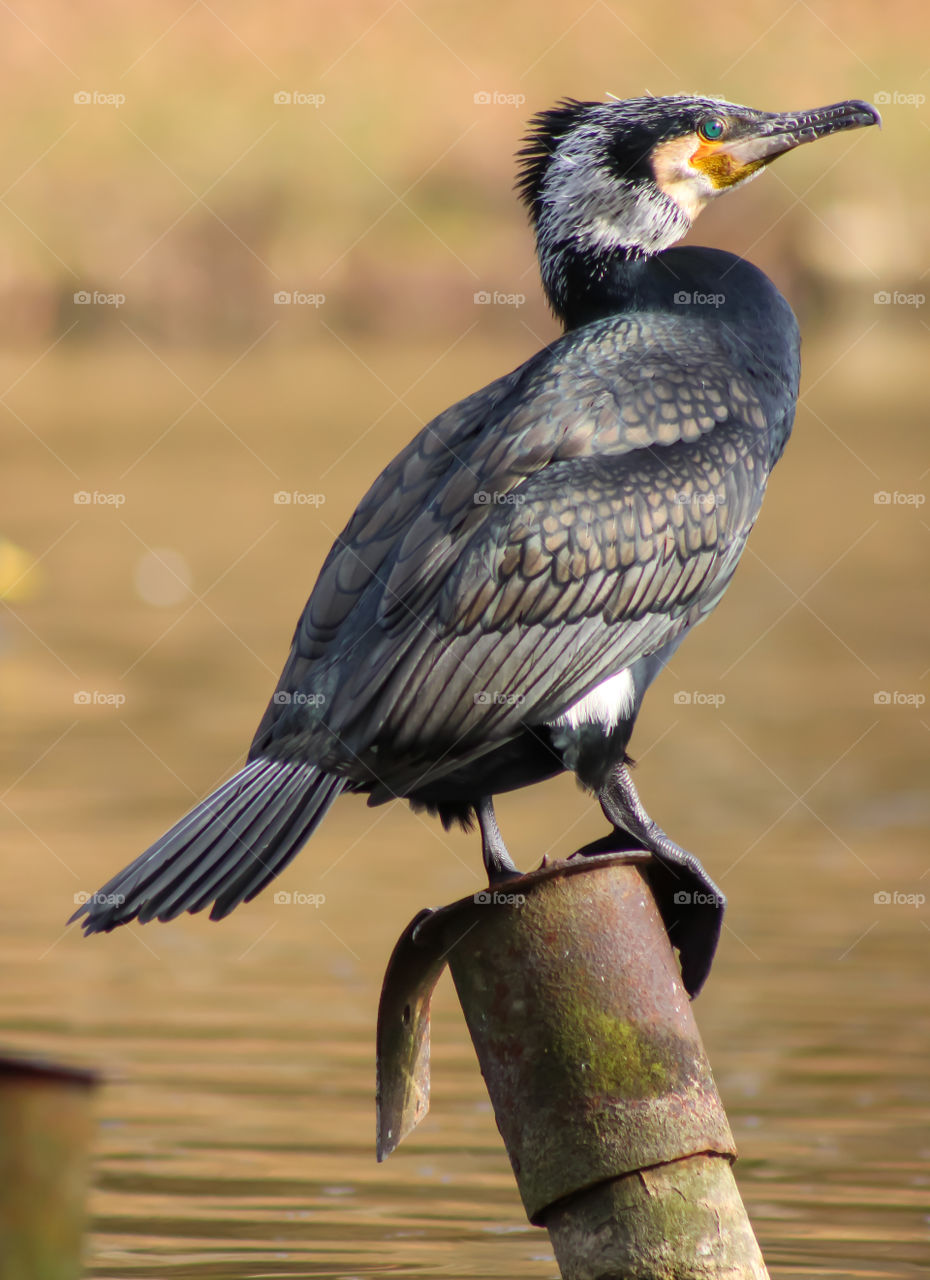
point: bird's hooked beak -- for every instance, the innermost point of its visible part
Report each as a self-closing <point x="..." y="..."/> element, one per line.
<point x="728" y="148"/>
<point x="759" y="142"/>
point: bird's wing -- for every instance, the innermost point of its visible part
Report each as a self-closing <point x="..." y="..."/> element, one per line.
<point x="554" y="533"/>
<point x="603" y="562"/>
<point x="361" y="555"/>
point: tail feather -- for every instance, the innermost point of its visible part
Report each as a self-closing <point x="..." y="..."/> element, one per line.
<point x="256" y="875"/>
<point x="284" y="829"/>
<point x="242" y="832"/>
<point x="224" y="851"/>
<point x="196" y="836"/>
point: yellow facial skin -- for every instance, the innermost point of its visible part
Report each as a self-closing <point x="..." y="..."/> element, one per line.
<point x="723" y="169"/>
<point x="692" y="170"/>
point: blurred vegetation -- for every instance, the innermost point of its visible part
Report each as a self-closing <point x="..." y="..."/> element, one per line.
<point x="199" y="197"/>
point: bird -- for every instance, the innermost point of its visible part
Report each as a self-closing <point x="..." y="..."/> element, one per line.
<point x="496" y="608"/>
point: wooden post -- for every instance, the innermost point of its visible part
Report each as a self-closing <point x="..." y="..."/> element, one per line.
<point x="46" y="1128"/>
<point x="599" y="1081"/>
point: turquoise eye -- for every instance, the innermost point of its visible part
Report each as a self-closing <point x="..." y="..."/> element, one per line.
<point x="712" y="130"/>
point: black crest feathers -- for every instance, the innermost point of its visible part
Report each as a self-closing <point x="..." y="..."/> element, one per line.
<point x="546" y="130"/>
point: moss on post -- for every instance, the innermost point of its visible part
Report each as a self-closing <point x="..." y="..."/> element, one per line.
<point x="594" y="1065"/>
<point x="679" y="1221"/>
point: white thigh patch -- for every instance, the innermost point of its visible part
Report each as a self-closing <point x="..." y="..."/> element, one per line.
<point x="607" y="704"/>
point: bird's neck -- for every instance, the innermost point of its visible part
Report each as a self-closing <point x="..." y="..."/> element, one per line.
<point x="585" y="284"/>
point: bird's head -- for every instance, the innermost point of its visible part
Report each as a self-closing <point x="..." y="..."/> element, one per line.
<point x="628" y="178"/>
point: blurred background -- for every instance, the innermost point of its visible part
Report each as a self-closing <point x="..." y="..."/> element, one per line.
<point x="245" y="253"/>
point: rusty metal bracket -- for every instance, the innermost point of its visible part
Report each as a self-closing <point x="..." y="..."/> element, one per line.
<point x="593" y="1062"/>
<point x="417" y="962"/>
<point x="583" y="1030"/>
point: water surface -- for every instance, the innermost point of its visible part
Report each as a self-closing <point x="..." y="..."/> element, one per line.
<point x="237" y="1122"/>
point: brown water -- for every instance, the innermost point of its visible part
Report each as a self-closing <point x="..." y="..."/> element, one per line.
<point x="237" y="1122"/>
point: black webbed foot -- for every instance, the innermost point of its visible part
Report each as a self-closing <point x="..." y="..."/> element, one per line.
<point x="690" y="903"/>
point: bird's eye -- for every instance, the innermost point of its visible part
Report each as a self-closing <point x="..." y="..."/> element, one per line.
<point x="712" y="129"/>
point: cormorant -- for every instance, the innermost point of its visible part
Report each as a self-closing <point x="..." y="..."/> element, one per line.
<point x="513" y="581"/>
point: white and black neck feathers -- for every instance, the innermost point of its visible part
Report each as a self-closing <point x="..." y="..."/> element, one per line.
<point x="611" y="185"/>
<point x="598" y="213"/>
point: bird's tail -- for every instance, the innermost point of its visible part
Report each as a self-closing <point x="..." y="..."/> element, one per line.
<point x="225" y="851"/>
